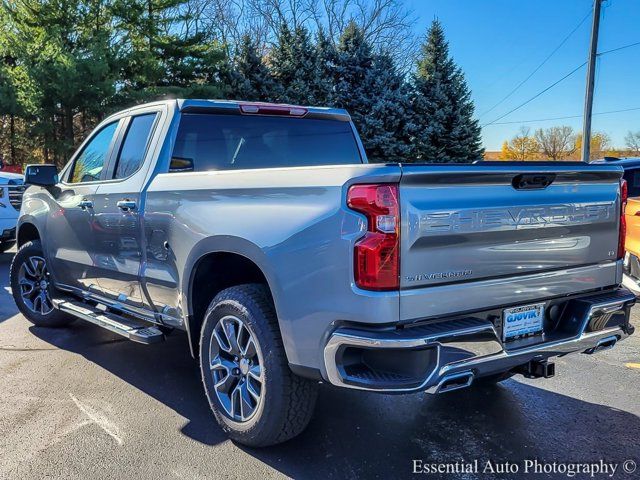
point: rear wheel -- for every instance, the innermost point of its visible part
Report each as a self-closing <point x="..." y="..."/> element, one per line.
<point x="255" y="397"/>
<point x="31" y="287"/>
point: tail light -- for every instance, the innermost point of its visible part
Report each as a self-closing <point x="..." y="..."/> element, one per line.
<point x="624" y="192"/>
<point x="377" y="254"/>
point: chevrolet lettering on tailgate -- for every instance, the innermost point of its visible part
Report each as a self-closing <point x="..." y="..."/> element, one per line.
<point x="515" y="218"/>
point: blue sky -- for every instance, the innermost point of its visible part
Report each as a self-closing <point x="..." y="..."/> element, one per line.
<point x="498" y="43"/>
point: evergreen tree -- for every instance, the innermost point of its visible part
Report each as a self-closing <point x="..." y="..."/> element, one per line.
<point x="295" y="66"/>
<point x="371" y="90"/>
<point x="326" y="63"/>
<point x="63" y="49"/>
<point x="444" y="129"/>
<point x="249" y="77"/>
<point x="161" y="57"/>
<point x="9" y="109"/>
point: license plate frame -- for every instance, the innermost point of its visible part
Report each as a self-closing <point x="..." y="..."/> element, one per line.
<point x="523" y="320"/>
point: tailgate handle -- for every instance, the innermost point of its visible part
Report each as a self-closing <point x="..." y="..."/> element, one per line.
<point x="530" y="181"/>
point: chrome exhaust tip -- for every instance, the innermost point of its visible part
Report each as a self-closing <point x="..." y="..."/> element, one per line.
<point x="454" y="381"/>
<point x="603" y="344"/>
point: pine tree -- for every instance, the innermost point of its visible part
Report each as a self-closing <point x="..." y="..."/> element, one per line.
<point x="9" y="110"/>
<point x="161" y="56"/>
<point x="249" y="77"/>
<point x="67" y="63"/>
<point x="369" y="87"/>
<point x="326" y="62"/>
<point x="295" y="66"/>
<point x="444" y="129"/>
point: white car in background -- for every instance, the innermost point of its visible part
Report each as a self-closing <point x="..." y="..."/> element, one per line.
<point x="11" y="191"/>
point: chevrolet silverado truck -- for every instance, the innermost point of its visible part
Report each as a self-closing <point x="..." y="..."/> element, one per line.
<point x="262" y="232"/>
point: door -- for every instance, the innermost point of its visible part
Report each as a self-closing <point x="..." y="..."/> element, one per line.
<point x="117" y="213"/>
<point x="70" y="226"/>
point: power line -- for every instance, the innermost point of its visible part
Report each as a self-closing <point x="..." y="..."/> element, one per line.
<point x="540" y="65"/>
<point x="536" y="95"/>
<point x="565" y="117"/>
<point x="557" y="82"/>
<point x="619" y="48"/>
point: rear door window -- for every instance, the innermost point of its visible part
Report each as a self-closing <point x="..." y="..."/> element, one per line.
<point x="225" y="142"/>
<point x="135" y="145"/>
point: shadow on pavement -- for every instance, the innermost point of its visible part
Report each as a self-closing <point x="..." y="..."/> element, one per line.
<point x="357" y="434"/>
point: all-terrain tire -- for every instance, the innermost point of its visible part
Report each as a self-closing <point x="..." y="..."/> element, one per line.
<point x="286" y="401"/>
<point x="52" y="318"/>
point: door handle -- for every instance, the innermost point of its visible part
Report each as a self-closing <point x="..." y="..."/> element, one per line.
<point x="84" y="204"/>
<point x="126" y="205"/>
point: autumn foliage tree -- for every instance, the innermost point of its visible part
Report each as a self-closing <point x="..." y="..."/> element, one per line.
<point x="523" y="146"/>
<point x="600" y="144"/>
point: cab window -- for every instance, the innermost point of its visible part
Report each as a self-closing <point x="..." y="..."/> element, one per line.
<point x="227" y="142"/>
<point x="91" y="161"/>
<point x="134" y="147"/>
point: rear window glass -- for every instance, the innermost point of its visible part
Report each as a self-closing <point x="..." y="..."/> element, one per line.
<point x="224" y="142"/>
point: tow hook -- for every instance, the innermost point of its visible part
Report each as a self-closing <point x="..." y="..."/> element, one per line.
<point x="537" y="369"/>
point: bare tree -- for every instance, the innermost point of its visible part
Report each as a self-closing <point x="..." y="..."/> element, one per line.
<point x="387" y="24"/>
<point x="557" y="143"/>
<point x="632" y="141"/>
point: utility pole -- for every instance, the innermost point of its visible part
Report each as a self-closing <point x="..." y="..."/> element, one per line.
<point x="591" y="73"/>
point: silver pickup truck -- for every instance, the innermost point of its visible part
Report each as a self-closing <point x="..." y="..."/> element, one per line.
<point x="262" y="232"/>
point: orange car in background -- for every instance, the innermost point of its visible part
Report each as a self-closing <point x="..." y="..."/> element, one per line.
<point x="632" y="239"/>
<point x="632" y="216"/>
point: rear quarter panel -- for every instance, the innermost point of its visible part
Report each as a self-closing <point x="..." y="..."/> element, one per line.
<point x="293" y="223"/>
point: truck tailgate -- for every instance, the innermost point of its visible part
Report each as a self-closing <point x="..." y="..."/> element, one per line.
<point x="466" y="224"/>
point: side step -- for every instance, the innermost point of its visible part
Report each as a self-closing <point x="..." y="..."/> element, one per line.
<point x="131" y="329"/>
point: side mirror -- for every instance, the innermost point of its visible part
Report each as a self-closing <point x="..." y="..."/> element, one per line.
<point x="42" y="175"/>
<point x="179" y="164"/>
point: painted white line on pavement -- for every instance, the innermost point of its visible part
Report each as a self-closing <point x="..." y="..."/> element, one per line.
<point x="99" y="419"/>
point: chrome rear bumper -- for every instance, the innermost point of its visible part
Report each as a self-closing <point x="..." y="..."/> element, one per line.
<point x="458" y="351"/>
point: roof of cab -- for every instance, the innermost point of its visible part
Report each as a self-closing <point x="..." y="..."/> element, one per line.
<point x="186" y="105"/>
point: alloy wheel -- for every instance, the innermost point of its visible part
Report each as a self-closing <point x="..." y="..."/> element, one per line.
<point x="33" y="280"/>
<point x="236" y="366"/>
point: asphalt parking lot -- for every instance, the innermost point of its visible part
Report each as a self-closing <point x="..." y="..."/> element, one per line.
<point x="81" y="402"/>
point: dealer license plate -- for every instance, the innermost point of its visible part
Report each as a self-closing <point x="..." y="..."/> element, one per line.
<point x="520" y="321"/>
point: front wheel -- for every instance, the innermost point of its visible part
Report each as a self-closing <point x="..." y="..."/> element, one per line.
<point x="255" y="397"/>
<point x="31" y="287"/>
